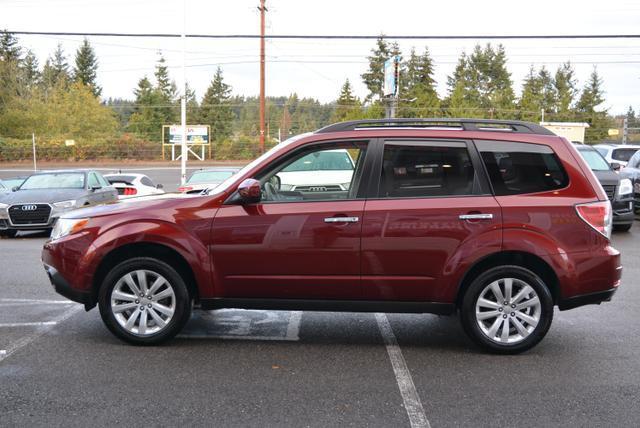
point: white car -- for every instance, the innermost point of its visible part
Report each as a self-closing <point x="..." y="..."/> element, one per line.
<point x="207" y="179"/>
<point x="617" y="154"/>
<point x="325" y="171"/>
<point x="133" y="185"/>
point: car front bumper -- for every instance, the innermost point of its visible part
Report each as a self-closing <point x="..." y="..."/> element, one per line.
<point x="623" y="212"/>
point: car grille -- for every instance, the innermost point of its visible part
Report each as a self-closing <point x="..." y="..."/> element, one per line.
<point x="610" y="190"/>
<point x="327" y="188"/>
<point x="29" y="214"/>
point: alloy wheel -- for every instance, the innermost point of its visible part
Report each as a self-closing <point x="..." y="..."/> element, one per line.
<point x="143" y="302"/>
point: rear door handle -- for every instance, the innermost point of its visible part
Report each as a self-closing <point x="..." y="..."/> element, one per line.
<point x="475" y="216"/>
<point x="341" y="219"/>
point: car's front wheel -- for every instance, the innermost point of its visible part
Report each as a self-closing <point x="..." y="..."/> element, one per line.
<point x="144" y="301"/>
<point x="507" y="309"/>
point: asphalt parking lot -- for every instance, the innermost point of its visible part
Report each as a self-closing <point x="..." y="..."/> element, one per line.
<point x="60" y="366"/>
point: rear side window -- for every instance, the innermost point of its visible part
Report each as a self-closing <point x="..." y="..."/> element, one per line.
<point x="623" y="154"/>
<point x="147" y="181"/>
<point x="517" y="168"/>
<point x="414" y="169"/>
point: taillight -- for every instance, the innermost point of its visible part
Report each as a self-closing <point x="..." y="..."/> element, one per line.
<point x="598" y="215"/>
<point x="129" y="191"/>
<point x="184" y="188"/>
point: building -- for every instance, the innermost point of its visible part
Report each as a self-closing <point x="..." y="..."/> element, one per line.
<point x="572" y="131"/>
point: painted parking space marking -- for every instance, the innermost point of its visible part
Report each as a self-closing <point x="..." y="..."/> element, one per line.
<point x="18" y="302"/>
<point x="410" y="397"/>
<point x="244" y="325"/>
<point x="41" y="330"/>
<point x="27" y="324"/>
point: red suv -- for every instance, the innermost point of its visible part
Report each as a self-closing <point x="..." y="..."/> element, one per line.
<point x="496" y="220"/>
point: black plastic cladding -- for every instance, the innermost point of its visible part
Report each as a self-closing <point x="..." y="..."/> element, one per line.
<point x="466" y="124"/>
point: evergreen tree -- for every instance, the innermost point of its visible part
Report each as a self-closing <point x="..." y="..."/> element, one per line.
<point x="192" y="106"/>
<point x="419" y="86"/>
<point x="374" y="78"/>
<point x="56" y="70"/>
<point x="591" y="97"/>
<point x="9" y="48"/>
<point x="164" y="84"/>
<point x="31" y="71"/>
<point x="148" y="117"/>
<point x="632" y="120"/>
<point x="565" y="87"/>
<point x="348" y="106"/>
<point x="86" y="67"/>
<point x="215" y="110"/>
<point x="538" y="93"/>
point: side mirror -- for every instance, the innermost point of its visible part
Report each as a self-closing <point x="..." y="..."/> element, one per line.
<point x="615" y="166"/>
<point x="94" y="188"/>
<point x="249" y="191"/>
<point x="15" y="188"/>
<point x="159" y="186"/>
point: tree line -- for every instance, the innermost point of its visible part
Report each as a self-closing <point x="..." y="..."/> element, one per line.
<point x="61" y="101"/>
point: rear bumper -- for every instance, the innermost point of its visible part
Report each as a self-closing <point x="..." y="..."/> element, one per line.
<point x="587" y="299"/>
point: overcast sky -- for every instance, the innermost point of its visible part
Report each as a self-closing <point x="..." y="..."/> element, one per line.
<point x="317" y="68"/>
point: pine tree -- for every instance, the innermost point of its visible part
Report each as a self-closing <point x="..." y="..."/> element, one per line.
<point x="192" y="105"/>
<point x="419" y="86"/>
<point x="565" y="87"/>
<point x="591" y="97"/>
<point x="164" y="84"/>
<point x="148" y="118"/>
<point x="374" y="78"/>
<point x="215" y="110"/>
<point x="30" y="70"/>
<point x="632" y="120"/>
<point x="56" y="70"/>
<point x="9" y="48"/>
<point x="538" y="93"/>
<point x="86" y="67"/>
<point x="348" y="106"/>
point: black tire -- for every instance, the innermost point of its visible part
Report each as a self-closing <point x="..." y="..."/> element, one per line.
<point x="8" y="233"/>
<point x="182" y="311"/>
<point x="622" y="227"/>
<point x="473" y="292"/>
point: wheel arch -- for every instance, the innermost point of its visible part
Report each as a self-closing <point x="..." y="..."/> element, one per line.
<point x="149" y="249"/>
<point x="519" y="258"/>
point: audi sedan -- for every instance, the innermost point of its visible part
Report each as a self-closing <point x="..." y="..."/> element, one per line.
<point x="40" y="200"/>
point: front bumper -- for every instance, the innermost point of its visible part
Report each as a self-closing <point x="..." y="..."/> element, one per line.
<point x="5" y="224"/>
<point x="623" y="212"/>
<point x="63" y="288"/>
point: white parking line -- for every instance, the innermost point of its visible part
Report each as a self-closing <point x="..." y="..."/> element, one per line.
<point x="8" y="302"/>
<point x="27" y="324"/>
<point x="410" y="397"/>
<point x="24" y="341"/>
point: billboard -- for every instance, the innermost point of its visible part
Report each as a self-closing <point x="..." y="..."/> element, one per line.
<point x="196" y="134"/>
<point x="390" y="84"/>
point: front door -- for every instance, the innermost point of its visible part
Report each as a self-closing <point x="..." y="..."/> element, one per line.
<point x="302" y="241"/>
<point x="430" y="211"/>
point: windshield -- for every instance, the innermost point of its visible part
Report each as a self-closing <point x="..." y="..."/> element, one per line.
<point x="64" y="180"/>
<point x="623" y="154"/>
<point x="13" y="182"/>
<point x="209" y="176"/>
<point x="322" y="161"/>
<point x="595" y="160"/>
<point x="2" y="186"/>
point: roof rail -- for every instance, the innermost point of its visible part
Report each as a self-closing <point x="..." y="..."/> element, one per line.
<point x="516" y="126"/>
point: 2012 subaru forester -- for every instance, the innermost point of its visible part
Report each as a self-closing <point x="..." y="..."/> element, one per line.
<point x="498" y="221"/>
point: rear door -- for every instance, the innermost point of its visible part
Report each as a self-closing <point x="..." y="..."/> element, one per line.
<point x="430" y="207"/>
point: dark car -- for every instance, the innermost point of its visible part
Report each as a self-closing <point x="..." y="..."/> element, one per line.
<point x="498" y="221"/>
<point x="618" y="187"/>
<point x="632" y="171"/>
<point x="43" y="197"/>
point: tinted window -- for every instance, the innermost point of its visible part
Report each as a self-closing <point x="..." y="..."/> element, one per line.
<point x="411" y="170"/>
<point x="594" y="159"/>
<point x="623" y="154"/>
<point x="63" y="180"/>
<point x="147" y="182"/>
<point x="516" y="168"/>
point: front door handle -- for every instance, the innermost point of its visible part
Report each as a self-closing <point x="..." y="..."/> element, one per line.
<point x="475" y="216"/>
<point x="341" y="219"/>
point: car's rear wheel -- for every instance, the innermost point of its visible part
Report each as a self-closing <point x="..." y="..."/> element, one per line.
<point x="144" y="301"/>
<point x="507" y="309"/>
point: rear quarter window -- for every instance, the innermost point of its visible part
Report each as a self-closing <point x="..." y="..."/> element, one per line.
<point x="519" y="168"/>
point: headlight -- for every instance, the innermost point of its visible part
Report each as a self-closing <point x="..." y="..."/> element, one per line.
<point x="68" y="226"/>
<point x="65" y="205"/>
<point x="625" y="187"/>
<point x="3" y="210"/>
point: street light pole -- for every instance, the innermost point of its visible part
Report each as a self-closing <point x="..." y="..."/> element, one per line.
<point x="262" y="107"/>
<point x="183" y="101"/>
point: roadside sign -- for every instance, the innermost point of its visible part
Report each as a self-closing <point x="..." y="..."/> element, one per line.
<point x="198" y="134"/>
<point x="390" y="84"/>
<point x="613" y="132"/>
<point x="69" y="143"/>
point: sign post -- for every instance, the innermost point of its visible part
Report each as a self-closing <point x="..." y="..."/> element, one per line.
<point x="390" y="85"/>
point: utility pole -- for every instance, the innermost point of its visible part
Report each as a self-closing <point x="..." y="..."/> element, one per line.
<point x="262" y="10"/>
<point x="183" y="101"/>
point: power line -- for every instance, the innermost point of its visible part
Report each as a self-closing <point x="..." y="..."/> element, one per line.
<point x="329" y="37"/>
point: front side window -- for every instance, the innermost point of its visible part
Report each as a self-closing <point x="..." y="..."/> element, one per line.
<point x="323" y="172"/>
<point x="413" y="170"/>
<point x="517" y="168"/>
